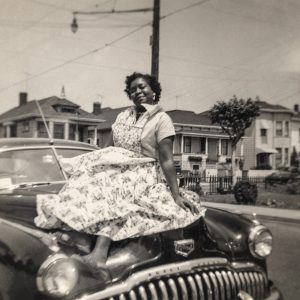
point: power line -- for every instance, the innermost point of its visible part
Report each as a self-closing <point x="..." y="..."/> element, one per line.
<point x="100" y="48"/>
<point x="288" y="96"/>
<point x="75" y="59"/>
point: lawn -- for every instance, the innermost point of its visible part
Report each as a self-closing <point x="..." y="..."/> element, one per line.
<point x="272" y="197"/>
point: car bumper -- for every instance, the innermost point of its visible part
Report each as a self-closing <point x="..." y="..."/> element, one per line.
<point x="275" y="294"/>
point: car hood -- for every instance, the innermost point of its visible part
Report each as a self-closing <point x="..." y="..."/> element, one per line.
<point x="228" y="230"/>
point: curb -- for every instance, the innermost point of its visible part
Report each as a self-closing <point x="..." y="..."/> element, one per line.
<point x="278" y="219"/>
<point x="261" y="216"/>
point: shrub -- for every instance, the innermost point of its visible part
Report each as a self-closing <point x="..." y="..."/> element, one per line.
<point x="245" y="192"/>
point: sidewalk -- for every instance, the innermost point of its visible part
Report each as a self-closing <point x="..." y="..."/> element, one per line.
<point x="275" y="214"/>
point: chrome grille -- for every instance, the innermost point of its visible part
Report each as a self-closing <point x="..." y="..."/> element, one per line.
<point x="207" y="285"/>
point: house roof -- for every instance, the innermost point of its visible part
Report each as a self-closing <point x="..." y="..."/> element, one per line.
<point x="178" y="116"/>
<point x="273" y="107"/>
<point x="189" y="117"/>
<point x="109" y="116"/>
<point x="48" y="105"/>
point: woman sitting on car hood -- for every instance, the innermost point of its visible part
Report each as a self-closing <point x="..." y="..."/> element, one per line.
<point x="120" y="192"/>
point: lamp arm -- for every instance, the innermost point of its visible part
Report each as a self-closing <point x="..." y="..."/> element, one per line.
<point x="113" y="11"/>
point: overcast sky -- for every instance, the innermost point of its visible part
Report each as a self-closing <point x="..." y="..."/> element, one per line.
<point x="209" y="51"/>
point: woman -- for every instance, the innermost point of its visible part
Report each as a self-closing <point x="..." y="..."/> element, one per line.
<point x="119" y="192"/>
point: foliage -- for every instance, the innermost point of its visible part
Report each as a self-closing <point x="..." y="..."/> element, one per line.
<point x="293" y="186"/>
<point x="245" y="192"/>
<point x="294" y="158"/>
<point x="234" y="116"/>
<point x="262" y="167"/>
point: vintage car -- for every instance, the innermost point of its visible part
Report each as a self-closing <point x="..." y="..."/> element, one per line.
<point x="282" y="176"/>
<point x="221" y="256"/>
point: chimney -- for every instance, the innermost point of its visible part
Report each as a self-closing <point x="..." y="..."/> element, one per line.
<point x="96" y="108"/>
<point x="22" y="98"/>
<point x="296" y="108"/>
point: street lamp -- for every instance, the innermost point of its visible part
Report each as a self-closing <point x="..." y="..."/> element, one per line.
<point x="155" y="30"/>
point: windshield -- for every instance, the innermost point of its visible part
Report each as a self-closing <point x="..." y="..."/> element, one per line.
<point x="32" y="165"/>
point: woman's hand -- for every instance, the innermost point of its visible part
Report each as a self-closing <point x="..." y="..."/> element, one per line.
<point x="186" y="204"/>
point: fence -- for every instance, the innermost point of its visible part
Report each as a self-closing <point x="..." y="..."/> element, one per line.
<point x="213" y="184"/>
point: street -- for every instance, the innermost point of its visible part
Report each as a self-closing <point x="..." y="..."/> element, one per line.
<point x="283" y="265"/>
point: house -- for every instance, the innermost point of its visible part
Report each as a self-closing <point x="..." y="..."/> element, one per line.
<point x="295" y="129"/>
<point x="202" y="147"/>
<point x="269" y="141"/>
<point x="199" y="145"/>
<point x="65" y="120"/>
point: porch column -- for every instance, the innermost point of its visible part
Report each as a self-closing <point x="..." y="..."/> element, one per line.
<point x="242" y="147"/>
<point x="76" y="133"/>
<point x="181" y="150"/>
<point x="34" y="129"/>
<point x="51" y="128"/>
<point x="95" y="135"/>
<point x="66" y="131"/>
<point x="206" y="146"/>
<point x="219" y="147"/>
<point x="7" y="128"/>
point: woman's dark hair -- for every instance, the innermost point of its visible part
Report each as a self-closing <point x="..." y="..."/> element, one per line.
<point x="151" y="80"/>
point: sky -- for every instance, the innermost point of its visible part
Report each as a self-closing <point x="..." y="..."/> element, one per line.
<point x="210" y="50"/>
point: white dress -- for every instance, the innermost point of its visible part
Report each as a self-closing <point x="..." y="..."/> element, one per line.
<point x="116" y="191"/>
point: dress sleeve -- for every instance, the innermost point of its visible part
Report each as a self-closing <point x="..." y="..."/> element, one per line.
<point x="165" y="127"/>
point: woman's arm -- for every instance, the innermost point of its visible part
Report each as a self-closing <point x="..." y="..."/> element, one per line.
<point x="165" y="150"/>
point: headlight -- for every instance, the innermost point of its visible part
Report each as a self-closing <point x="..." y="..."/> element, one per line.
<point x="260" y="242"/>
<point x="57" y="276"/>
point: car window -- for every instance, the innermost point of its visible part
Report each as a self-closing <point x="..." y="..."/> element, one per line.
<point x="67" y="153"/>
<point x="33" y="165"/>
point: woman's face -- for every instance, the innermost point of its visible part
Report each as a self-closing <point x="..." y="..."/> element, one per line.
<point x="141" y="92"/>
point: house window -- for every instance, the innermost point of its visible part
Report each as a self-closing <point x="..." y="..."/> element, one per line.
<point x="187" y="144"/>
<point x="278" y="128"/>
<point x="286" y="156"/>
<point x="59" y="131"/>
<point x="25" y="126"/>
<point x="68" y="110"/>
<point x="263" y="132"/>
<point x="286" y="128"/>
<point x="13" y="130"/>
<point x="42" y="132"/>
<point x="203" y="145"/>
<point x="65" y="109"/>
<point x="264" y="135"/>
<point x="72" y="132"/>
<point x="224" y="147"/>
<point x="196" y="169"/>
<point x="278" y="157"/>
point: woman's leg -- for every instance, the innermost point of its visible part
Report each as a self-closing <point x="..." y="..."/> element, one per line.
<point x="96" y="260"/>
<point x="98" y="256"/>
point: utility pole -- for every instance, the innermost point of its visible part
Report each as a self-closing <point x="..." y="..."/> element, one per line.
<point x="154" y="41"/>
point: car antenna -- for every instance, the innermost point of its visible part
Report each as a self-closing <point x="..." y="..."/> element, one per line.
<point x="51" y="141"/>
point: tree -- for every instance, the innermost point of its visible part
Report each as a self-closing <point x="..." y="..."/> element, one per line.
<point x="294" y="158"/>
<point x="234" y="117"/>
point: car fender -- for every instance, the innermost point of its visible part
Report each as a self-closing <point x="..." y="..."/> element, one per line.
<point x="22" y="250"/>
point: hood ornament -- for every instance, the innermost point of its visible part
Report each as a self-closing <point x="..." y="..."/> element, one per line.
<point x="184" y="247"/>
<point x="242" y="295"/>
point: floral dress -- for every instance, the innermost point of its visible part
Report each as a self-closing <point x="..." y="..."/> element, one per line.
<point x="116" y="191"/>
